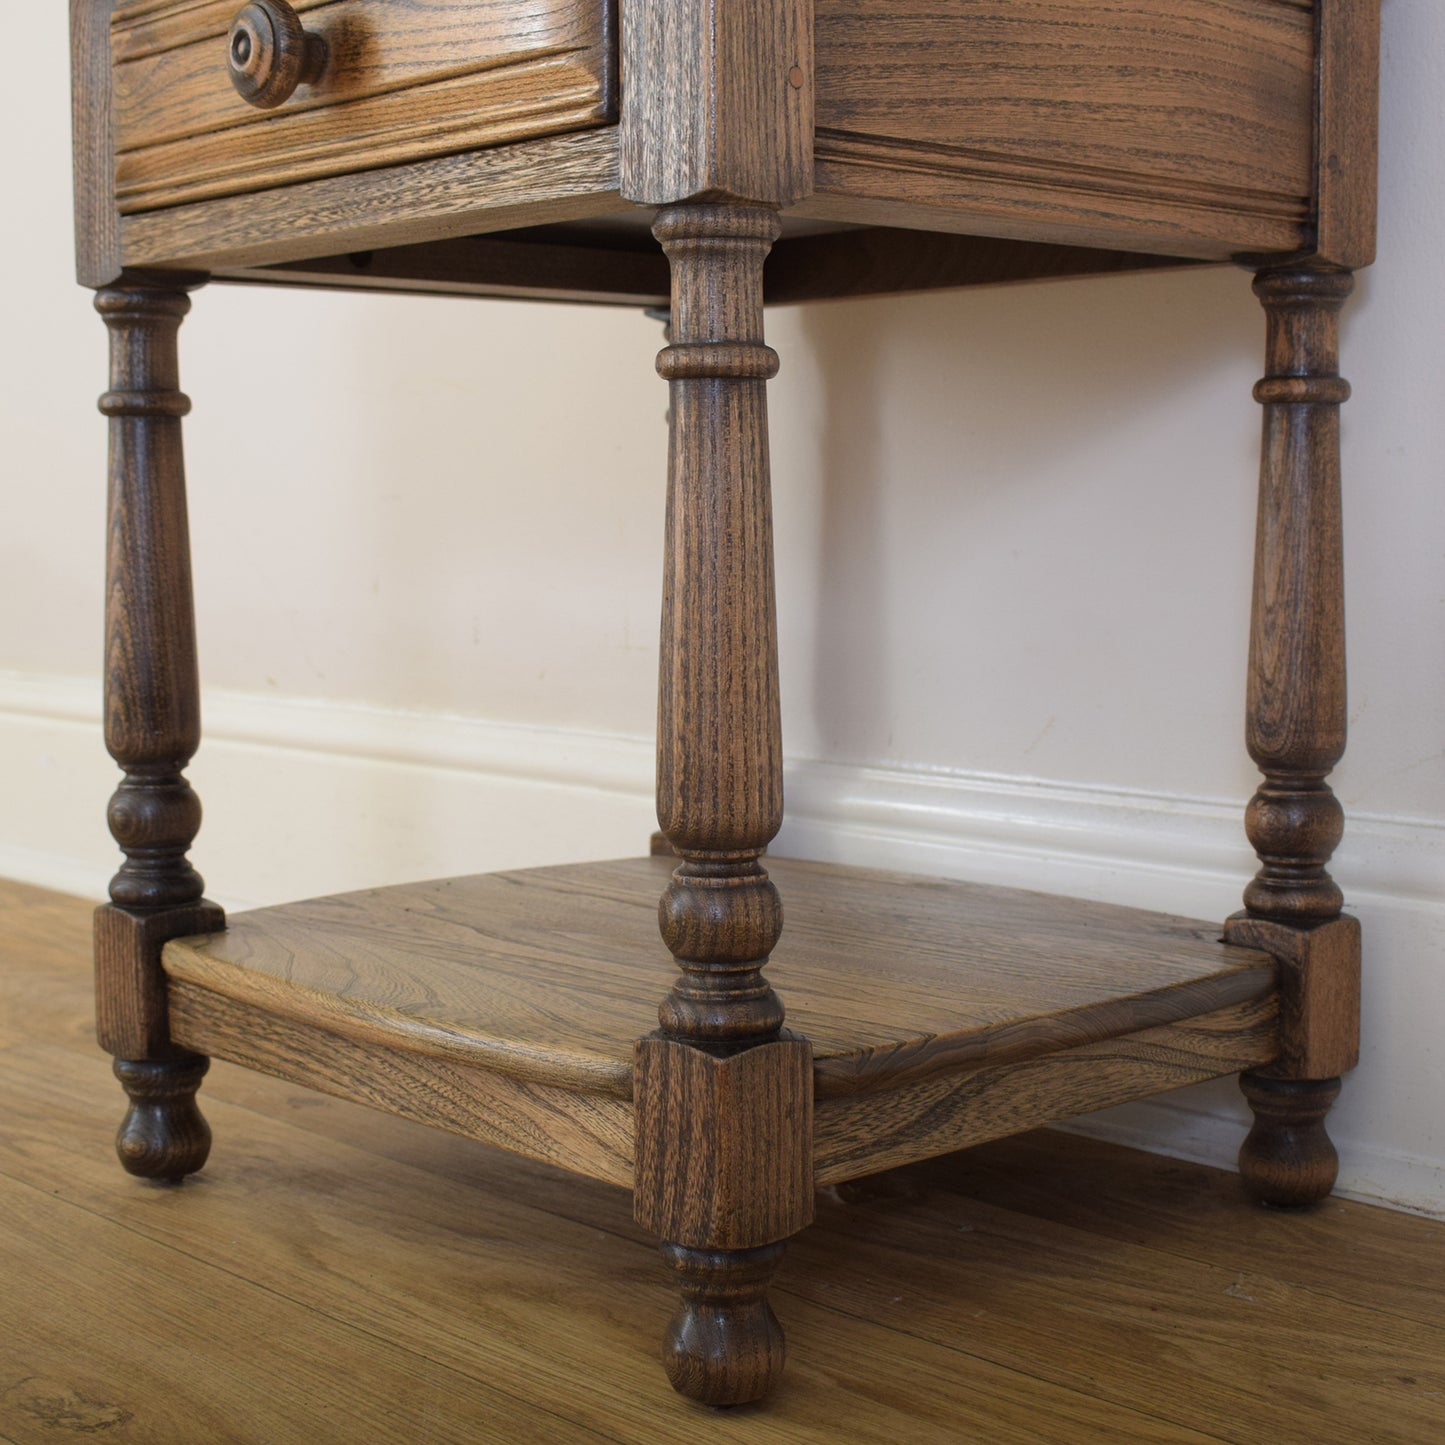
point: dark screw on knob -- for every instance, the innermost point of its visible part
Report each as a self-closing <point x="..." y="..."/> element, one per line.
<point x="269" y="53"/>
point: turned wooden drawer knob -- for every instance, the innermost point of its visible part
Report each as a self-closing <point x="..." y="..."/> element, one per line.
<point x="269" y="53"/>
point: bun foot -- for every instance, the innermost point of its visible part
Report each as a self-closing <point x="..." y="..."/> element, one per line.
<point x="1287" y="1159"/>
<point x="724" y="1346"/>
<point x="163" y="1135"/>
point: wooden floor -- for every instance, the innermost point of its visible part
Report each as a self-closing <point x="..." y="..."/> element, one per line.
<point x="338" y="1276"/>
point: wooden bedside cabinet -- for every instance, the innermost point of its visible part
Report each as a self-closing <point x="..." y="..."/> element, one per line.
<point x="713" y="156"/>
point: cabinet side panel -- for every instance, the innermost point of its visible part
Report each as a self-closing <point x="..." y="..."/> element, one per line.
<point x="1205" y="103"/>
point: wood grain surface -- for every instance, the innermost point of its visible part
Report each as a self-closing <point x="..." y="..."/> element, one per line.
<point x="132" y="1015"/>
<point x="337" y="1275"/>
<point x="551" y="974"/>
<point x="1070" y="115"/>
<point x="404" y="80"/>
<point x="587" y="1132"/>
<point x="719" y="720"/>
<point x="1209" y="99"/>
<point x="724" y="1142"/>
<point x="1165" y="127"/>
<point x="999" y="1084"/>
<point x="528" y="183"/>
<point x="1296" y="713"/>
<point x="718" y="100"/>
<point x="152" y="685"/>
<point x="1347" y="145"/>
<point x="97" y="222"/>
<point x="862" y="1134"/>
<point x="1296" y="718"/>
<point x="1319" y="992"/>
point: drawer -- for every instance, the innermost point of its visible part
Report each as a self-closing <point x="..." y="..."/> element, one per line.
<point x="404" y="80"/>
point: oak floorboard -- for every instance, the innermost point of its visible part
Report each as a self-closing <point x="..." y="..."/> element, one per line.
<point x="1282" y="1362"/>
<point x="103" y="1332"/>
<point x="1385" y="1259"/>
<point x="480" y="1282"/>
<point x="38" y="998"/>
<point x="1041" y="1290"/>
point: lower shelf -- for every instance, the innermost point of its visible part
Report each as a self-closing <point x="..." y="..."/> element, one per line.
<point x="506" y="1006"/>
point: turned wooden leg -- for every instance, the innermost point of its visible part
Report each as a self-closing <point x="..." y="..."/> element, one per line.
<point x="163" y="1135"/>
<point x="1296" y="733"/>
<point x="1287" y="1158"/>
<point x="723" y="1094"/>
<point x="152" y="728"/>
<point x="724" y="1345"/>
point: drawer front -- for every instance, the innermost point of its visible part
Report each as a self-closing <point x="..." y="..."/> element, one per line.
<point x="404" y="80"/>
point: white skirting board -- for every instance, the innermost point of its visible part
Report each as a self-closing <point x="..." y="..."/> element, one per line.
<point x="306" y="797"/>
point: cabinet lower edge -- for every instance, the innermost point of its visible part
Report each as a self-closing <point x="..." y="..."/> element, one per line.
<point x="860" y="1134"/>
<point x="593" y="1134"/>
<point x="575" y="177"/>
<point x="584" y="1132"/>
<point x="565" y="177"/>
<point x="1056" y="210"/>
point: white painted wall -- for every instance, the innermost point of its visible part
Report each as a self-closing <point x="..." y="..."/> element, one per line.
<point x="1014" y="532"/>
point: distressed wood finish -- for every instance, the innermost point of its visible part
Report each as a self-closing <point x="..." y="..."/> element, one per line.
<point x="1319" y="992"/>
<point x="879" y="1104"/>
<point x="1287" y="1159"/>
<point x="545" y="975"/>
<point x="152" y="728"/>
<point x="404" y="80"/>
<point x="163" y="1135"/>
<point x="270" y="53"/>
<point x="719" y="727"/>
<point x="718" y="100"/>
<point x="1186" y="122"/>
<point x="506" y="1008"/>
<point x="152" y="694"/>
<point x="719" y="795"/>
<point x="751" y="1183"/>
<point x="859" y="1134"/>
<point x="588" y="1131"/>
<point x="530" y="183"/>
<point x="132" y="1014"/>
<point x="97" y="222"/>
<point x="1168" y="127"/>
<point x="724" y="1345"/>
<point x="434" y="1296"/>
<point x="1296" y="705"/>
<point x="1296" y="733"/>
<point x="913" y="146"/>
<point x="724" y="1176"/>
<point x="1346" y="159"/>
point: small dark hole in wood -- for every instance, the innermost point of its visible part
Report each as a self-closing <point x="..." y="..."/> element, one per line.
<point x="240" y="47"/>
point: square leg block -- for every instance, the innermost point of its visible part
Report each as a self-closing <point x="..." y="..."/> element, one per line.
<point x="1319" y="992"/>
<point x="724" y="1142"/>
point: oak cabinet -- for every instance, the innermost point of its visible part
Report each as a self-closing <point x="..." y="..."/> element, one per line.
<point x="715" y="156"/>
